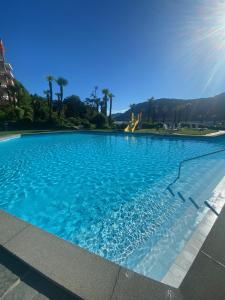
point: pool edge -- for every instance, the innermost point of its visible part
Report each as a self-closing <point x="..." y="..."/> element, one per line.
<point x="83" y="273"/>
<point x="93" y="277"/>
<point x="10" y="137"/>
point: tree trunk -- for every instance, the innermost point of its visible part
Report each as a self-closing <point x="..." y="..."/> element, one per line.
<point x="50" y="99"/>
<point x="110" y="110"/>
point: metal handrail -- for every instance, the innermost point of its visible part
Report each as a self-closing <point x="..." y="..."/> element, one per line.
<point x="189" y="159"/>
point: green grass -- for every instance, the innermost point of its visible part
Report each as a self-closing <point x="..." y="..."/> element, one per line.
<point x="182" y="131"/>
<point x="13" y="132"/>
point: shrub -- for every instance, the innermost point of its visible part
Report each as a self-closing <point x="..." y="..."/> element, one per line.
<point x="99" y="120"/>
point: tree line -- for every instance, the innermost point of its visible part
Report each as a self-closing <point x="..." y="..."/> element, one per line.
<point x="203" y="110"/>
<point x="53" y="110"/>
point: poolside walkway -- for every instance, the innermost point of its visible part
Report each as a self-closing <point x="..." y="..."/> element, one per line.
<point x="217" y="133"/>
<point x="19" y="281"/>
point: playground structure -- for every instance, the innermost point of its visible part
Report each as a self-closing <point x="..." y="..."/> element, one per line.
<point x="134" y="123"/>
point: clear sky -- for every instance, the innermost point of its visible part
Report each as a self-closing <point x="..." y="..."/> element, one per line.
<point x="136" y="48"/>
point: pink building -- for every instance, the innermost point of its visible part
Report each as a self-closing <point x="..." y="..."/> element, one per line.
<point x="6" y="75"/>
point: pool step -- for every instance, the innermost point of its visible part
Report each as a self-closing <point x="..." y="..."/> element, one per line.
<point x="211" y="207"/>
<point x="193" y="202"/>
<point x="171" y="191"/>
<point x="181" y="196"/>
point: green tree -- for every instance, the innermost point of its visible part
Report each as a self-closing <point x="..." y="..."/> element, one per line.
<point x="111" y="96"/>
<point x="50" y="79"/>
<point x="58" y="95"/>
<point x="12" y="94"/>
<point x="105" y="101"/>
<point x="47" y="94"/>
<point x="99" y="120"/>
<point x="74" y="107"/>
<point x="62" y="82"/>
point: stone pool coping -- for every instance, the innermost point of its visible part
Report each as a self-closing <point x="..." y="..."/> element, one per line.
<point x="85" y="274"/>
<point x="90" y="276"/>
<point x="119" y="132"/>
<point x="10" y="137"/>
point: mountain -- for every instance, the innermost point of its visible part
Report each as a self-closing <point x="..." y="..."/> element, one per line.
<point x="116" y="115"/>
<point x="210" y="109"/>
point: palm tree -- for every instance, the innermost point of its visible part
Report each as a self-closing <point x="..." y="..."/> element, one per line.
<point x="47" y="93"/>
<point x="96" y="100"/>
<point x="97" y="103"/>
<point x="50" y="79"/>
<point x="105" y="100"/>
<point x="111" y="96"/>
<point x="58" y="96"/>
<point x="61" y="82"/>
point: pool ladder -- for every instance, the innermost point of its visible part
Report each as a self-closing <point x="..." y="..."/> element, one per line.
<point x="178" y="177"/>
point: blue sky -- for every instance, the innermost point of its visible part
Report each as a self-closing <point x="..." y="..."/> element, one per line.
<point x="136" y="48"/>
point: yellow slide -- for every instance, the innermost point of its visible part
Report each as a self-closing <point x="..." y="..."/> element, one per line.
<point x="131" y="127"/>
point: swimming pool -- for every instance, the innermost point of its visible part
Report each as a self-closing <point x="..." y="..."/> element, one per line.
<point x="106" y="192"/>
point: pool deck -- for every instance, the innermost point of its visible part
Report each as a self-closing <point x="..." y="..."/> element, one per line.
<point x="20" y="281"/>
<point x="88" y="276"/>
<point x="217" y="133"/>
<point x="76" y="270"/>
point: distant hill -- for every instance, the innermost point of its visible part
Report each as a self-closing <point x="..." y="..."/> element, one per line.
<point x="116" y="115"/>
<point x="210" y="109"/>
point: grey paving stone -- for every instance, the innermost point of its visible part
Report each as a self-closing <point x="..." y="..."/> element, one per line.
<point x="214" y="245"/>
<point x="12" y="263"/>
<point x="9" y="227"/>
<point x="7" y="279"/>
<point x="47" y="289"/>
<point x="204" y="281"/>
<point x="85" y="274"/>
<point x="55" y="297"/>
<point x="40" y="297"/>
<point x="132" y="286"/>
<point x="21" y="292"/>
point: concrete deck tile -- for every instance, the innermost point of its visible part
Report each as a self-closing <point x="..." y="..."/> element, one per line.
<point x="184" y="262"/>
<point x="47" y="289"/>
<point x="85" y="274"/>
<point x="9" y="227"/>
<point x="40" y="297"/>
<point x="7" y="280"/>
<point x="214" y="244"/>
<point x="171" y="280"/>
<point x="132" y="286"/>
<point x="13" y="264"/>
<point x="21" y="292"/>
<point x="204" y="281"/>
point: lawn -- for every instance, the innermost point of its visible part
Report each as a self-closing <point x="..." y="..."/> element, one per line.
<point x="182" y="131"/>
<point x="13" y="132"/>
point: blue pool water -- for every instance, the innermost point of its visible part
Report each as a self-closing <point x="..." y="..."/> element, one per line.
<point x="106" y="192"/>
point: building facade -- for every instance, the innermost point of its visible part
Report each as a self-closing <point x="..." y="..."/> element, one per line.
<point x="6" y="75"/>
